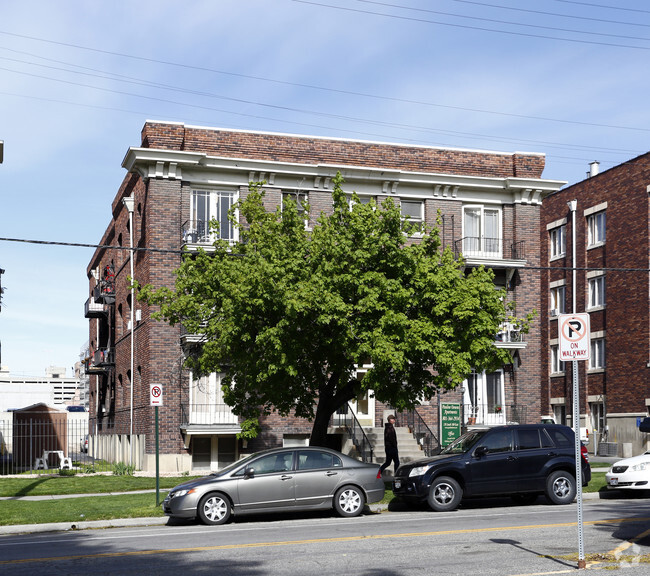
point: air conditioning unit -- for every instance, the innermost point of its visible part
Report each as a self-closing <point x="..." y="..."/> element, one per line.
<point x="554" y="312"/>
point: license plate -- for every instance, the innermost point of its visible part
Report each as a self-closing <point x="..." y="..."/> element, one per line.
<point x="613" y="481"/>
<point x="397" y="484"/>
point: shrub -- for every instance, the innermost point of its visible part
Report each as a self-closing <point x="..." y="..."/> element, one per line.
<point x="122" y="469"/>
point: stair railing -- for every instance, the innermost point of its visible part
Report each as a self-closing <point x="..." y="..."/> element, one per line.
<point x="346" y="418"/>
<point x="421" y="432"/>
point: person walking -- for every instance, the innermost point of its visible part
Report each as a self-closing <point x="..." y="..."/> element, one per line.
<point x="390" y="445"/>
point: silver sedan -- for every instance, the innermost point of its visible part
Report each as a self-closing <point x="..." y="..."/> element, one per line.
<point x="282" y="479"/>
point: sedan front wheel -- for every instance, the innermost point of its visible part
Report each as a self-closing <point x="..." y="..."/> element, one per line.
<point x="214" y="509"/>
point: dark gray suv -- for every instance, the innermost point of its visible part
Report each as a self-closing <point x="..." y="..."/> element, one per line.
<point x="521" y="461"/>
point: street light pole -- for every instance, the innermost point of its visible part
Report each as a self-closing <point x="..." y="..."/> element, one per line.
<point x="129" y="203"/>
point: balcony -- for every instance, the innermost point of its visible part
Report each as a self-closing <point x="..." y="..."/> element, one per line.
<point x="495" y="252"/>
<point x="494" y="414"/>
<point x="94" y="309"/>
<point x="200" y="234"/>
<point x="104" y="293"/>
<point x="208" y="419"/>
<point x="101" y="361"/>
<point x="509" y="336"/>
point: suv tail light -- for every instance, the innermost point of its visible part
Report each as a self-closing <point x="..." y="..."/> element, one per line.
<point x="584" y="453"/>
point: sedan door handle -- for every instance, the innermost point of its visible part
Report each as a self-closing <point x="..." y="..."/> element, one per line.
<point x="285" y="477"/>
<point x="511" y="458"/>
<point x="332" y="473"/>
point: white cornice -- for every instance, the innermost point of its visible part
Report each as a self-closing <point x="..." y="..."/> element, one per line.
<point x="199" y="168"/>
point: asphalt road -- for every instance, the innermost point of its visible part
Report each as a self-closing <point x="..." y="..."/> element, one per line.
<point x="485" y="537"/>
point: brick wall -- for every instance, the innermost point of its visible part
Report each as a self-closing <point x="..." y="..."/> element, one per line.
<point x="303" y="149"/>
<point x="625" y="382"/>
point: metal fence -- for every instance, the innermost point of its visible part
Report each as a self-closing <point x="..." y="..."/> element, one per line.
<point x="37" y="444"/>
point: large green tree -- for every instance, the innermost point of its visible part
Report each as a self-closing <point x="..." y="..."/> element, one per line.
<point x="288" y="313"/>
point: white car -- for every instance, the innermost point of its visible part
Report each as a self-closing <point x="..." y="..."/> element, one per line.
<point x="630" y="474"/>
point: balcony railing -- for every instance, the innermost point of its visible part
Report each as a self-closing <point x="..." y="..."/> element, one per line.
<point x="207" y="414"/>
<point x="101" y="360"/>
<point x="199" y="233"/>
<point x="510" y="336"/>
<point x="494" y="414"/>
<point x="94" y="309"/>
<point x="489" y="248"/>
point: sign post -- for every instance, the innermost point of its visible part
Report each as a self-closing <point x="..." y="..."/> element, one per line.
<point x="156" y="399"/>
<point x="575" y="345"/>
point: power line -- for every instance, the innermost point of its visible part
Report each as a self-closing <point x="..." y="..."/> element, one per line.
<point x="316" y="87"/>
<point x="83" y="245"/>
<point x="492" y="20"/>
<point x="478" y="28"/>
<point x="592" y="5"/>
<point x="581" y="17"/>
<point x="181" y="251"/>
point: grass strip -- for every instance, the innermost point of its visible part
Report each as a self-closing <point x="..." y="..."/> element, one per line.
<point x="72" y="510"/>
<point x="63" y="485"/>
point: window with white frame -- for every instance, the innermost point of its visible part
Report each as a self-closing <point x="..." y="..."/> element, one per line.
<point x="557" y="241"/>
<point x="207" y="206"/>
<point x="482" y="231"/>
<point x="558" y="299"/>
<point x="596" y="229"/>
<point x="301" y="199"/>
<point x="557" y="365"/>
<point x="597" y="358"/>
<point x="596" y="296"/>
<point x="484" y="396"/>
<point x="413" y="213"/>
<point x="359" y="200"/>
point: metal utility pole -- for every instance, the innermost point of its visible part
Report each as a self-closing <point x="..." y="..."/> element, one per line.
<point x="129" y="203"/>
<point x="573" y="204"/>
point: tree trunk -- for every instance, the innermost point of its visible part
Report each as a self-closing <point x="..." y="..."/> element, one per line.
<point x="329" y="403"/>
<point x="319" y="428"/>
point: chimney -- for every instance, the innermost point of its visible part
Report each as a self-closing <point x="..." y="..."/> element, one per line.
<point x="593" y="168"/>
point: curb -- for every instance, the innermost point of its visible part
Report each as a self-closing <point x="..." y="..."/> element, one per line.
<point x="75" y="526"/>
<point x="162" y="520"/>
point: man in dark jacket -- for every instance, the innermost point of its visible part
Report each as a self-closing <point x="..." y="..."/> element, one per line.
<point x="390" y="444"/>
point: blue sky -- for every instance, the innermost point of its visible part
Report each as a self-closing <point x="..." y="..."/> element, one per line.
<point x="78" y="79"/>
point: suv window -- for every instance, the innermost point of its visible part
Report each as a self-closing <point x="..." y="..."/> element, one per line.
<point x="560" y="437"/>
<point x="528" y="439"/>
<point x="498" y="441"/>
<point x="546" y="439"/>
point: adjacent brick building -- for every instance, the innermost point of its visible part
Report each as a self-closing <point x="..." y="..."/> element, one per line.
<point x="612" y="240"/>
<point x="181" y="176"/>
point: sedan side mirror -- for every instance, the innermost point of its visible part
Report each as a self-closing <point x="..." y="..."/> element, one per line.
<point x="249" y="473"/>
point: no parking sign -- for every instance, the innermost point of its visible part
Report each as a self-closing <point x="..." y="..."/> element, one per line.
<point x="575" y="341"/>
<point x="156" y="395"/>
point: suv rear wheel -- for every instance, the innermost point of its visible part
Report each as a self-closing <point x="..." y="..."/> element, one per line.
<point x="445" y="494"/>
<point x="561" y="487"/>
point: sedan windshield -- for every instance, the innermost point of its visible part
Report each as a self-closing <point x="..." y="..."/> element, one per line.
<point x="234" y="465"/>
<point x="464" y="443"/>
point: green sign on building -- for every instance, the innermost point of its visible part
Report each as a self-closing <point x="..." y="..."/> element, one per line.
<point x="449" y="423"/>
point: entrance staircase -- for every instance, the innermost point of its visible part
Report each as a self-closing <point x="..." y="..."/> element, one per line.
<point x="407" y="446"/>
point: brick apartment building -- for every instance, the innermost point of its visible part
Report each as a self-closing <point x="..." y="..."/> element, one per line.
<point x="612" y="285"/>
<point x="181" y="176"/>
